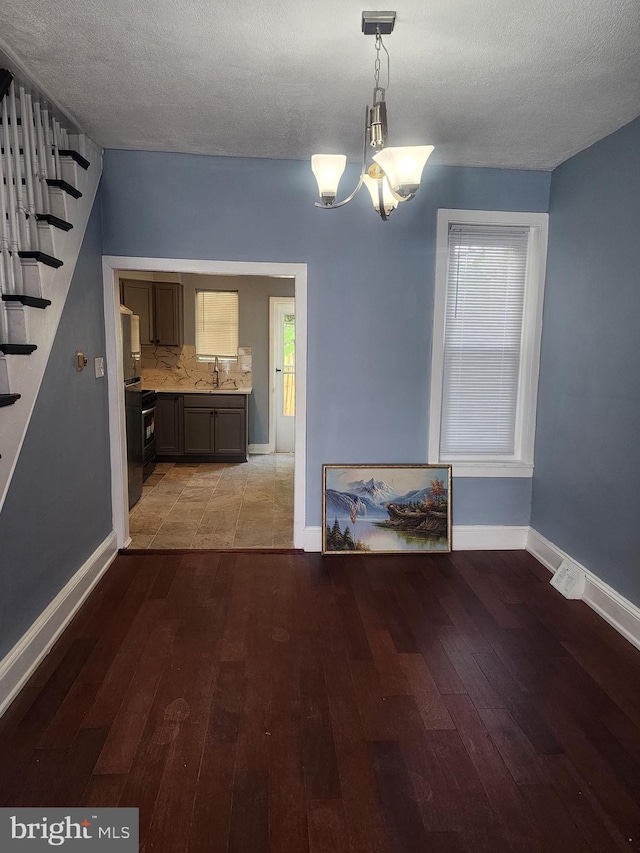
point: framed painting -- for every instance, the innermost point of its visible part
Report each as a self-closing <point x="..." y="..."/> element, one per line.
<point x="386" y="509"/>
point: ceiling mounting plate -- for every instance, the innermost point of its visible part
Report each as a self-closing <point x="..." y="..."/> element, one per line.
<point x="378" y="22"/>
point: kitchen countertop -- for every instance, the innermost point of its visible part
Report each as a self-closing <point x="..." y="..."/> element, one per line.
<point x="183" y="389"/>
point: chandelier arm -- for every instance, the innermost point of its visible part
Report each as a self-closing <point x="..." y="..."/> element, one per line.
<point x="335" y="205"/>
<point x="383" y="213"/>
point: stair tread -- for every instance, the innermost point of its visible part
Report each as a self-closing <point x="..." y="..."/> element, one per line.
<point x="62" y="224"/>
<point x="25" y="299"/>
<point x="17" y="349"/>
<point x="64" y="185"/>
<point x="41" y="257"/>
<point x="76" y="156"/>
<point x="8" y="399"/>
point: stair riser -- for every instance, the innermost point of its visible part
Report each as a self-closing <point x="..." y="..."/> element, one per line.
<point x="70" y="171"/>
<point x="4" y="376"/>
<point x="50" y="239"/>
<point x="60" y="204"/>
<point x="17" y="331"/>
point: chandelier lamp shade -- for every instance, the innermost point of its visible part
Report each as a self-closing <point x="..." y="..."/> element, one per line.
<point x="395" y="173"/>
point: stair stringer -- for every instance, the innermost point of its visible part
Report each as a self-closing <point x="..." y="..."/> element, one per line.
<point x="24" y="374"/>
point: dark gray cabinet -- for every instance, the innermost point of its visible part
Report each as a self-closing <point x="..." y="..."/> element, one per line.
<point x="168" y="422"/>
<point x="159" y="306"/>
<point x="211" y="427"/>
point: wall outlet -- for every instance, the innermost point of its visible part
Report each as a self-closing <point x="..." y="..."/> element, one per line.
<point x="569" y="579"/>
<point x="99" y="366"/>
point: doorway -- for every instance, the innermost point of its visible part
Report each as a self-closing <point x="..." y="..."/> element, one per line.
<point x="112" y="265"/>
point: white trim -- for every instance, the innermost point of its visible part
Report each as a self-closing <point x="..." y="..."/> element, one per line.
<point x="20" y="663"/>
<point x="522" y="464"/>
<point x="486" y="537"/>
<point x="112" y="263"/>
<point x="312" y="539"/>
<point x="260" y="449"/>
<point x="491" y="469"/>
<point x="614" y="608"/>
<point x="471" y="537"/>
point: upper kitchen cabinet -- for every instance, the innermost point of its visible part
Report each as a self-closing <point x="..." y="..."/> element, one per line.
<point x="159" y="306"/>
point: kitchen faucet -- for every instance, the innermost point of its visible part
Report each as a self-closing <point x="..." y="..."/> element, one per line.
<point x="216" y="373"/>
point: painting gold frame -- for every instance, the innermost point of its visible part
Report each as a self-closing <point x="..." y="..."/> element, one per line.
<point x="386" y="509"/>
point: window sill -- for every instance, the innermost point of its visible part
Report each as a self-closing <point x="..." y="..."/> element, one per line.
<point x="490" y="469"/>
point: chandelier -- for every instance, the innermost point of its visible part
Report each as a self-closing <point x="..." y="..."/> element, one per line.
<point x="395" y="173"/>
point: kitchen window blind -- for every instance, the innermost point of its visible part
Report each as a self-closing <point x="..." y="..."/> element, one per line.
<point x="485" y="299"/>
<point x="216" y="324"/>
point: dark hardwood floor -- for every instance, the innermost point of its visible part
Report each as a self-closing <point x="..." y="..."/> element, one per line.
<point x="297" y="704"/>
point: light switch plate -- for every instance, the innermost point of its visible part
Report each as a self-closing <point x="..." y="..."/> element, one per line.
<point x="99" y="365"/>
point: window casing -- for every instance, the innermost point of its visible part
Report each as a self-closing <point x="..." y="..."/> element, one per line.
<point x="216" y="324"/>
<point x="486" y="341"/>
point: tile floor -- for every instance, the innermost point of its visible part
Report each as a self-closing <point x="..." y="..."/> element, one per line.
<point x="217" y="505"/>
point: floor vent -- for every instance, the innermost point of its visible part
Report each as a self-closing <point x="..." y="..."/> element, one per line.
<point x="569" y="579"/>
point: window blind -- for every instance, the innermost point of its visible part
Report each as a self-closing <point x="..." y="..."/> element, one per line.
<point x="216" y="324"/>
<point x="486" y="278"/>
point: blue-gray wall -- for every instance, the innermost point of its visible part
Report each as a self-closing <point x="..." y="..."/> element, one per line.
<point x="58" y="508"/>
<point x="370" y="288"/>
<point x="586" y="486"/>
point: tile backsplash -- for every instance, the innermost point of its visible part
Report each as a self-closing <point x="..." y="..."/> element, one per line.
<point x="174" y="367"/>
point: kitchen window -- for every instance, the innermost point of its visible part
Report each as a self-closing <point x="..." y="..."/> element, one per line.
<point x="216" y="324"/>
<point x="486" y="341"/>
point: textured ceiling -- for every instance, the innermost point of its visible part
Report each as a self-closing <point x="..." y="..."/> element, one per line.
<point x="505" y="83"/>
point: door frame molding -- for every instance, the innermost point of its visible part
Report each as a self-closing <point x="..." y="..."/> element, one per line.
<point x="273" y="301"/>
<point x="113" y="263"/>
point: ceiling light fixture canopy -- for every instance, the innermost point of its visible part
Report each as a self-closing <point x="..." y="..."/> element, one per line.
<point x="395" y="174"/>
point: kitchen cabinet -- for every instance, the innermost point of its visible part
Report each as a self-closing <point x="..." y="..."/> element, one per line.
<point x="207" y="427"/>
<point x="169" y="425"/>
<point x="159" y="306"/>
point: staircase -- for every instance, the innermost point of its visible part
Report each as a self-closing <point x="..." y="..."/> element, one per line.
<point x="49" y="176"/>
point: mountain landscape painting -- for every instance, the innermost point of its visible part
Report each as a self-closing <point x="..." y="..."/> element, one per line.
<point x="386" y="509"/>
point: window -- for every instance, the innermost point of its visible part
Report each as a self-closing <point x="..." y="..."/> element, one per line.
<point x="216" y="324"/>
<point x="486" y="341"/>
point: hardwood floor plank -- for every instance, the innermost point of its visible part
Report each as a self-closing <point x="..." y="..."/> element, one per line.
<point x="211" y="816"/>
<point x="502" y="792"/>
<point x="126" y="730"/>
<point x="288" y="826"/>
<point x="327" y="827"/>
<point x="434" y="712"/>
<point x="586" y="811"/>
<point x="249" y="814"/>
<point x="401" y="812"/>
<point x="104" y="791"/>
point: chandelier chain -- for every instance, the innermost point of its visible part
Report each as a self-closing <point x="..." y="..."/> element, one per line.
<point x="377" y="64"/>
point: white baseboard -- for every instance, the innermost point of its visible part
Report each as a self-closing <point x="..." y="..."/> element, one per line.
<point x="618" y="611"/>
<point x="260" y="448"/>
<point x="487" y="537"/>
<point x="312" y="539"/>
<point x="472" y="537"/>
<point x="19" y="664"/>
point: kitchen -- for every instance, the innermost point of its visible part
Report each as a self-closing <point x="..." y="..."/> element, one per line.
<point x="214" y="408"/>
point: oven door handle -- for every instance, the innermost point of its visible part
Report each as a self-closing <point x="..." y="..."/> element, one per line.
<point x="148" y="411"/>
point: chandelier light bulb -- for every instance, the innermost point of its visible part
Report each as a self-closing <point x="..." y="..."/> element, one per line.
<point x="389" y="202"/>
<point x="328" y="169"/>
<point x="403" y="166"/>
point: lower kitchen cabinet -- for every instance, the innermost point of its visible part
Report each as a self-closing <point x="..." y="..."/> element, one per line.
<point x="168" y="425"/>
<point x="212" y="428"/>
